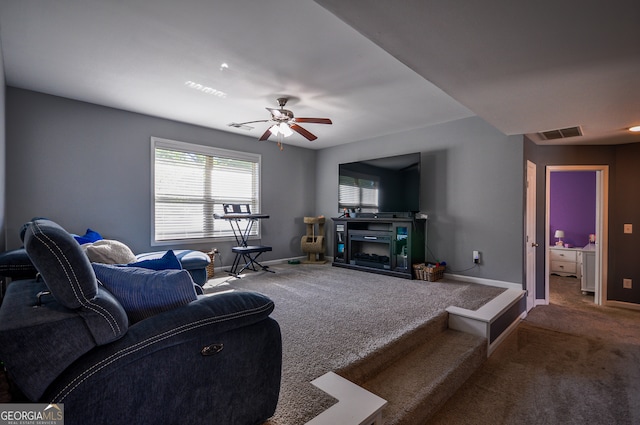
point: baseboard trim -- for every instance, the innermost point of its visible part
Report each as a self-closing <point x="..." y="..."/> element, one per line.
<point x="355" y="406"/>
<point x="505" y="334"/>
<point x="494" y="320"/>
<point x="483" y="281"/>
<point x="622" y="304"/>
<point x="270" y="262"/>
<point x="459" y="277"/>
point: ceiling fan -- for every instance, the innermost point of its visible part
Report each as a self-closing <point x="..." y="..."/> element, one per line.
<point x="285" y="123"/>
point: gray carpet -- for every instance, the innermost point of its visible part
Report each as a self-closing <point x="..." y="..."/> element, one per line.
<point x="570" y="362"/>
<point x="331" y="317"/>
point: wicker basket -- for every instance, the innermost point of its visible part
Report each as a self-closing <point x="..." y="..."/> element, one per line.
<point x="429" y="273"/>
<point x="210" y="266"/>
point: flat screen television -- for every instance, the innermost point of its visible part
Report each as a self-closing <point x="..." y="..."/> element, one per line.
<point x="380" y="185"/>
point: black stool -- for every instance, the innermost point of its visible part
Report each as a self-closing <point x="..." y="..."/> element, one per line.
<point x="250" y="255"/>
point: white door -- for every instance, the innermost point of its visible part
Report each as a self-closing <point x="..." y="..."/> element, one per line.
<point x="530" y="237"/>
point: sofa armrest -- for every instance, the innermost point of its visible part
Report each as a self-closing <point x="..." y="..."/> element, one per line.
<point x="209" y="317"/>
<point x="39" y="338"/>
<point x="218" y="312"/>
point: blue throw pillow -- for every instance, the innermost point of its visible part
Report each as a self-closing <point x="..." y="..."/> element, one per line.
<point x="168" y="261"/>
<point x="144" y="292"/>
<point x="89" y="237"/>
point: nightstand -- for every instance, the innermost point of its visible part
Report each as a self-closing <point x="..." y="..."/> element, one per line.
<point x="565" y="261"/>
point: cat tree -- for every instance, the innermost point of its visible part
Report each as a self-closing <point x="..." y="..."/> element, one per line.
<point x="313" y="244"/>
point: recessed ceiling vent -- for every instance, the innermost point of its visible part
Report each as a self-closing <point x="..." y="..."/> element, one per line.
<point x="561" y="133"/>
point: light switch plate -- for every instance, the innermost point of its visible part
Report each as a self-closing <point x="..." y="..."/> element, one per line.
<point x="627" y="283"/>
<point x="628" y="228"/>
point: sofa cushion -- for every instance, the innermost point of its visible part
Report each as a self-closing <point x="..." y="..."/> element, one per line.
<point x="65" y="268"/>
<point x="168" y="261"/>
<point x="16" y="264"/>
<point x="195" y="262"/>
<point x="109" y="251"/>
<point x="190" y="259"/>
<point x="144" y="292"/>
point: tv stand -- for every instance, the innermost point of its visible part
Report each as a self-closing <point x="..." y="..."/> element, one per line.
<point x="384" y="245"/>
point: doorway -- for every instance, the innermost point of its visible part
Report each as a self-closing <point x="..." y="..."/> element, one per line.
<point x="599" y="254"/>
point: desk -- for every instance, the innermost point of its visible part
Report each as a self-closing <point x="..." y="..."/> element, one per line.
<point x="245" y="252"/>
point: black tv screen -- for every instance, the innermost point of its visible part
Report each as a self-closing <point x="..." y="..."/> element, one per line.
<point x="390" y="184"/>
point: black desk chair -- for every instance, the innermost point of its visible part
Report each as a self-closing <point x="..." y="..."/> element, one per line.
<point x="244" y="252"/>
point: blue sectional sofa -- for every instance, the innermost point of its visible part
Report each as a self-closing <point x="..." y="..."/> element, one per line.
<point x="16" y="264"/>
<point x="66" y="338"/>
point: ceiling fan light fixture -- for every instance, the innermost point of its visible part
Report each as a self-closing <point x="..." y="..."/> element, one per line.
<point x="284" y="124"/>
<point x="285" y="129"/>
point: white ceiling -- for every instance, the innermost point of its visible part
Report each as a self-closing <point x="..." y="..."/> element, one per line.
<point x="523" y="68"/>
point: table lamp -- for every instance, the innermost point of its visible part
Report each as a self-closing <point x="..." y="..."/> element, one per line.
<point x="559" y="234"/>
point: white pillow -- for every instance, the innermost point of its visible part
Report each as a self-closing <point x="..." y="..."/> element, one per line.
<point x="108" y="251"/>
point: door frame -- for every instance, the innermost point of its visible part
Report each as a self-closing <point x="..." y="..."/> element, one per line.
<point x="530" y="235"/>
<point x="602" y="228"/>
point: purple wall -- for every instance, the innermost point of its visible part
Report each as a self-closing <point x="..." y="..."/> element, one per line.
<point x="572" y="206"/>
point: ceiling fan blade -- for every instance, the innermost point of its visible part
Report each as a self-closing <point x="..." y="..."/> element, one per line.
<point x="314" y="120"/>
<point x="248" y="122"/>
<point x="243" y="125"/>
<point x="266" y="134"/>
<point x="240" y="125"/>
<point x="302" y="131"/>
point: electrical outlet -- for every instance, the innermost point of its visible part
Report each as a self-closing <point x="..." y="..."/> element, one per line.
<point x="627" y="283"/>
<point x="476" y="257"/>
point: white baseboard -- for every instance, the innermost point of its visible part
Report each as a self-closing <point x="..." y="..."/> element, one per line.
<point x="483" y="281"/>
<point x="356" y="406"/>
<point x="267" y="263"/>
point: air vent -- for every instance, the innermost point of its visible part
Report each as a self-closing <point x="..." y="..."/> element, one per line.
<point x="562" y="133"/>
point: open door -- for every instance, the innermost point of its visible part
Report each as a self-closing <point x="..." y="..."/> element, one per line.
<point x="602" y="231"/>
<point x="530" y="236"/>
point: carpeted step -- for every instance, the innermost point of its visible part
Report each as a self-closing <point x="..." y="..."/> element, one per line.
<point x="375" y="362"/>
<point x="419" y="383"/>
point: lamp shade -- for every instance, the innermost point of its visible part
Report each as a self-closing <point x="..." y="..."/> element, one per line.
<point x="285" y="130"/>
<point x="559" y="234"/>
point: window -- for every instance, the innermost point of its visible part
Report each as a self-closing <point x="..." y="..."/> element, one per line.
<point x="358" y="192"/>
<point x="191" y="183"/>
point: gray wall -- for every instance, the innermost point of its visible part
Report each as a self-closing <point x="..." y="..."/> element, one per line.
<point x="2" y="154"/>
<point x="624" y="207"/>
<point x="85" y="165"/>
<point x="88" y="166"/>
<point x="471" y="188"/>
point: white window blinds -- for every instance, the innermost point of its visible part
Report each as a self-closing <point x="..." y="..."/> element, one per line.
<point x="358" y="192"/>
<point x="191" y="183"/>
